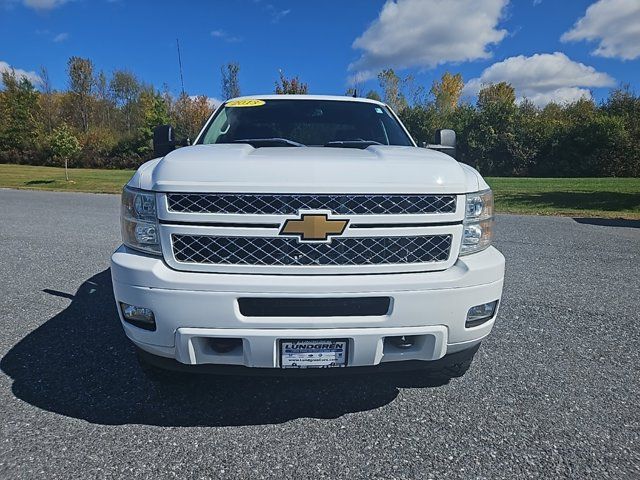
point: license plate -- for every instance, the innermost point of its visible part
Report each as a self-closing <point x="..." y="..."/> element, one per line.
<point x="313" y="353"/>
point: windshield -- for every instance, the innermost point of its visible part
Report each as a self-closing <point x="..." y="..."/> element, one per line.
<point x="294" y="123"/>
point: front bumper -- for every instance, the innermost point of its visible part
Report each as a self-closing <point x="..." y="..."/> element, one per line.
<point x="190" y="308"/>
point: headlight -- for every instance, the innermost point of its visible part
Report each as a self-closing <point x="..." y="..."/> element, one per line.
<point x="478" y="222"/>
<point x="140" y="221"/>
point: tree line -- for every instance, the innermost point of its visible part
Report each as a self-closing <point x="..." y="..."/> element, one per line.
<point x="106" y="121"/>
<point x="502" y="137"/>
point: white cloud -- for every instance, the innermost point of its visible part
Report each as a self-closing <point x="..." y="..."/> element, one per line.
<point x="38" y="5"/>
<point x="542" y="78"/>
<point x="222" y="35"/>
<point x="559" y="95"/>
<point x="279" y="15"/>
<point x="615" y="24"/>
<point x="427" y="33"/>
<point x="33" y="77"/>
<point x="276" y="14"/>
<point x="61" y="37"/>
<point x="43" y="4"/>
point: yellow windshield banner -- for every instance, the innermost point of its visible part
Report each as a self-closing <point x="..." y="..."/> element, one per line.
<point x="250" y="102"/>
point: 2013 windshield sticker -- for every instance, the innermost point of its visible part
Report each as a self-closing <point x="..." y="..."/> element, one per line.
<point x="250" y="102"/>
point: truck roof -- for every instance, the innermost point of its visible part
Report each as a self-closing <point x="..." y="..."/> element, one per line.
<point x="340" y="98"/>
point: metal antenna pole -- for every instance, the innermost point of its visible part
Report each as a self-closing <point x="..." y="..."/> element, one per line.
<point x="188" y="140"/>
<point x="180" y="64"/>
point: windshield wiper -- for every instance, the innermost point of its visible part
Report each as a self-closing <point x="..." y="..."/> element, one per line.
<point x="359" y="143"/>
<point x="269" y="142"/>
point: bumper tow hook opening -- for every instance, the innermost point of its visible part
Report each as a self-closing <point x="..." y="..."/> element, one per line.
<point x="404" y="342"/>
<point x="224" y="345"/>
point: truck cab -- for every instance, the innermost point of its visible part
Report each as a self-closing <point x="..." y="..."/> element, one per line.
<point x="305" y="234"/>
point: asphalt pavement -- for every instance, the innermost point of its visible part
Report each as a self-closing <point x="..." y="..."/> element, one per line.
<point x="553" y="392"/>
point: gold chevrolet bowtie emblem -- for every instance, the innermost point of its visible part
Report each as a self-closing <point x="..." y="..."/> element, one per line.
<point x="314" y="227"/>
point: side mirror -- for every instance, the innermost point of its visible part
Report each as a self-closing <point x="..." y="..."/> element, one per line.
<point x="164" y="140"/>
<point x="445" y="142"/>
<point x="446" y="138"/>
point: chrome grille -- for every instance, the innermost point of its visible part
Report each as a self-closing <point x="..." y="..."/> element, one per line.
<point x="282" y="251"/>
<point x="287" y="204"/>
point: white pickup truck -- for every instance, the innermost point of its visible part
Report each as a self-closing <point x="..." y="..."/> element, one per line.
<point x="306" y="234"/>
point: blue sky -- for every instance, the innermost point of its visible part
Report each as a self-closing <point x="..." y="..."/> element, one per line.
<point x="330" y="43"/>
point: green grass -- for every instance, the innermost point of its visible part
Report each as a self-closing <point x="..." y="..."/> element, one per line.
<point x="52" y="178"/>
<point x="576" y="197"/>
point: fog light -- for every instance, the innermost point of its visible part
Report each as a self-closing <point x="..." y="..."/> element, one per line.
<point x="141" y="317"/>
<point x="481" y="313"/>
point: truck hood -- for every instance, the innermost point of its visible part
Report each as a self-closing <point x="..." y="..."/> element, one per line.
<point x="243" y="168"/>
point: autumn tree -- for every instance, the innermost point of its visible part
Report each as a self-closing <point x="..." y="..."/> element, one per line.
<point x="81" y="82"/>
<point x="189" y="115"/>
<point x="391" y="85"/>
<point x="447" y="91"/>
<point x="230" y="80"/>
<point x="125" y="89"/>
<point x="291" y="85"/>
<point x="501" y="93"/>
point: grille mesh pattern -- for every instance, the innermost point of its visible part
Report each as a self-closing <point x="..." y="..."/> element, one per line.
<point x="280" y="251"/>
<point x="272" y="204"/>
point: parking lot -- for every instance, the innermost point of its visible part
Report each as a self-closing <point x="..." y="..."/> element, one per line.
<point x="553" y="392"/>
